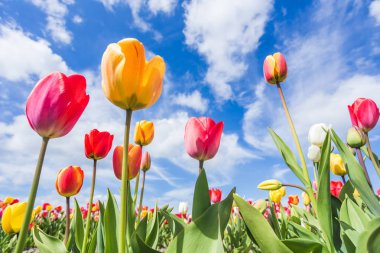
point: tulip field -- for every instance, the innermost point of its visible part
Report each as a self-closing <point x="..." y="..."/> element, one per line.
<point x="325" y="216"/>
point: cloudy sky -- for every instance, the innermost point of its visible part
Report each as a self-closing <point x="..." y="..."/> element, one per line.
<point x="214" y="51"/>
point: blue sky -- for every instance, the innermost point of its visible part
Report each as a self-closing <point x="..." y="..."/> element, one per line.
<point x="214" y="52"/>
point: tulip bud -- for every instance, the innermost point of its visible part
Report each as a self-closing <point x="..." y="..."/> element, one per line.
<point x="183" y="207"/>
<point x="293" y="200"/>
<point x="69" y="181"/>
<point x="276" y="195"/>
<point x="336" y="165"/>
<point x="275" y="69"/>
<point x="317" y="134"/>
<point x="272" y="184"/>
<point x="144" y="132"/>
<point x="145" y="162"/>
<point x="13" y="217"/>
<point x="305" y="198"/>
<point x="314" y="153"/>
<point x="134" y="161"/>
<point x="355" y="137"/>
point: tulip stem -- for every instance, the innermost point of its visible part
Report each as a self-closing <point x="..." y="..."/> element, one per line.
<point x="67" y="228"/>
<point x="362" y="163"/>
<point x="89" y="209"/>
<point x="374" y="162"/>
<point x="200" y="166"/>
<point x="299" y="149"/>
<point x="136" y="188"/>
<point x="124" y="184"/>
<point x="32" y="197"/>
<point x="295" y="186"/>
<point x="343" y="179"/>
<point x="141" y="196"/>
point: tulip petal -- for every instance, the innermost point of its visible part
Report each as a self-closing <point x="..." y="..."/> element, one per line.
<point x="6" y="220"/>
<point x="269" y="69"/>
<point x="214" y="141"/>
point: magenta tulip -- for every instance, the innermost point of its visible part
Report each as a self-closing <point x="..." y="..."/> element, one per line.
<point x="56" y="103"/>
<point x="364" y="114"/>
<point x="202" y="138"/>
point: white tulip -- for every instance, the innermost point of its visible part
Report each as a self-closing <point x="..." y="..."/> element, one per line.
<point x="317" y="134"/>
<point x="314" y="153"/>
<point x="183" y="207"/>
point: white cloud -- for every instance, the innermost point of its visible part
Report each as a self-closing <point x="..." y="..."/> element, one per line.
<point x="279" y="172"/>
<point x="22" y="56"/>
<point x="374" y="10"/>
<point x="56" y="11"/>
<point x="77" y="19"/>
<point x="224" y="32"/>
<point x="193" y="100"/>
<point x="165" y="6"/>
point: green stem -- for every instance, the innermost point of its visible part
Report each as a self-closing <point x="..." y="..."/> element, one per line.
<point x="362" y="163"/>
<point x="124" y="184"/>
<point x="89" y="209"/>
<point x="67" y="228"/>
<point x="141" y="196"/>
<point x="315" y="166"/>
<point x="32" y="197"/>
<point x="371" y="155"/>
<point x="295" y="186"/>
<point x="136" y="187"/>
<point x="200" y="166"/>
<point x="309" y="186"/>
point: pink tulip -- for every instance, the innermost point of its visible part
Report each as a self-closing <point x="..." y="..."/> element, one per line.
<point x="275" y="68"/>
<point x="145" y="161"/>
<point x="202" y="137"/>
<point x="364" y="113"/>
<point x="215" y="195"/>
<point x="56" y="103"/>
<point x="335" y="188"/>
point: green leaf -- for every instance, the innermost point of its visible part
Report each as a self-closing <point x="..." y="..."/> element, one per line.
<point x="138" y="245"/>
<point x="288" y="156"/>
<point x="301" y="245"/>
<point x="153" y="230"/>
<point x="369" y="239"/>
<point x="356" y="175"/>
<point x="274" y="221"/>
<point x="303" y="232"/>
<point x="201" y="200"/>
<point x="260" y="228"/>
<point x="335" y="210"/>
<point x="225" y="207"/>
<point x="111" y="222"/>
<point x="352" y="215"/>
<point x="347" y="189"/>
<point x="324" y="196"/>
<point x="78" y="226"/>
<point x="100" y="232"/>
<point x="176" y="224"/>
<point x="92" y="247"/>
<point x="46" y="243"/>
<point x="201" y="235"/>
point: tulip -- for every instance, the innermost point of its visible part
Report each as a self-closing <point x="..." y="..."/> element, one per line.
<point x="97" y="144"/>
<point x="58" y="209"/>
<point x="128" y="80"/>
<point x="314" y="153"/>
<point x="275" y="69"/>
<point x="336" y="165"/>
<point x="69" y="181"/>
<point x="145" y="162"/>
<point x="317" y="134"/>
<point x="364" y="113"/>
<point x="335" y="188"/>
<point x="8" y="200"/>
<point x="272" y="184"/>
<point x="378" y="192"/>
<point x="13" y="217"/>
<point x="134" y="161"/>
<point x="56" y="103"/>
<point x="202" y="138"/>
<point x="293" y="199"/>
<point x="305" y="198"/>
<point x="183" y="207"/>
<point x="277" y="195"/>
<point x="215" y="195"/>
<point x="355" y="137"/>
<point x="144" y="132"/>
<point x="37" y="209"/>
<point x="46" y="206"/>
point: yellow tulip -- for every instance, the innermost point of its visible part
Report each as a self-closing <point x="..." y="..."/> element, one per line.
<point x="13" y="217"/>
<point x="276" y="195"/>
<point x="337" y="165"/>
<point x="8" y="200"/>
<point x="305" y="198"/>
<point x="128" y="80"/>
<point x="144" y="132"/>
<point x="271" y="184"/>
<point x="38" y="209"/>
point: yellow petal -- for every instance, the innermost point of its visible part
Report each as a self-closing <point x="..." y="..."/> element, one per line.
<point x="6" y="220"/>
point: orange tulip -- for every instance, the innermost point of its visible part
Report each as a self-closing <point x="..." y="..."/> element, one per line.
<point x="69" y="181"/>
<point x="293" y="199"/>
<point x="134" y="161"/>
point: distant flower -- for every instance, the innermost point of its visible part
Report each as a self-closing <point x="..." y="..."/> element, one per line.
<point x="215" y="195"/>
<point x="335" y="188"/>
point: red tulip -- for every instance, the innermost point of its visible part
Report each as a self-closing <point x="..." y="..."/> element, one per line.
<point x="97" y="144"/>
<point x="378" y="192"/>
<point x="275" y="69"/>
<point x="202" y="137"/>
<point x="364" y="113"/>
<point x="58" y="209"/>
<point x="46" y="206"/>
<point x="335" y="188"/>
<point x="293" y="199"/>
<point x="134" y="161"/>
<point x="215" y="195"/>
<point x="56" y="103"/>
<point x="69" y="181"/>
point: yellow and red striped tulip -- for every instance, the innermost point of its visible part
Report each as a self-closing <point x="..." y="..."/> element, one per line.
<point x="129" y="81"/>
<point x="134" y="161"/>
<point x="69" y="181"/>
<point x="13" y="217"/>
<point x="8" y="200"/>
<point x="275" y="69"/>
<point x="144" y="132"/>
<point x="293" y="199"/>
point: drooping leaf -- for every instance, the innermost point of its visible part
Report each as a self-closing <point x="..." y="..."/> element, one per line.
<point x="260" y="229"/>
<point x="301" y="245"/>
